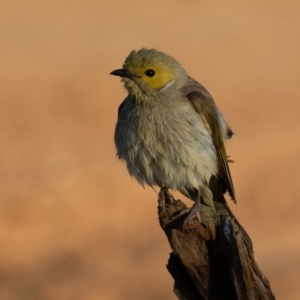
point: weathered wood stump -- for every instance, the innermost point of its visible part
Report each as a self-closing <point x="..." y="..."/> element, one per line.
<point x="215" y="261"/>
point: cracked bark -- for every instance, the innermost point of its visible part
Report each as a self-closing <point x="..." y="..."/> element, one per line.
<point x="214" y="262"/>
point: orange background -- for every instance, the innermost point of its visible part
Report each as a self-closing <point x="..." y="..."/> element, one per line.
<point x="73" y="224"/>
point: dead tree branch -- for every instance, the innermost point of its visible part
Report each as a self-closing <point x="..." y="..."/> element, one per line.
<point x="211" y="263"/>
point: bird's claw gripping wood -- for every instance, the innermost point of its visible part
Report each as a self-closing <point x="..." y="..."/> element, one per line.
<point x="164" y="196"/>
<point x="192" y="212"/>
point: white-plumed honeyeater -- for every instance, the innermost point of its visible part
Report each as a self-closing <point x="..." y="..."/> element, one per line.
<point x="171" y="134"/>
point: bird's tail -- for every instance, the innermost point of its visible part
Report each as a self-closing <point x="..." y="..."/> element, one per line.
<point x="218" y="189"/>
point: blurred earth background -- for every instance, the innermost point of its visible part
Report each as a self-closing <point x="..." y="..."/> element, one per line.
<point x="73" y="224"/>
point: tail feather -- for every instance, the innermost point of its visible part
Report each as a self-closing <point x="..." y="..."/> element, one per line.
<point x="218" y="189"/>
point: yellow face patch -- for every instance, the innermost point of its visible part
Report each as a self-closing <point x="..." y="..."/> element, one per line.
<point x="157" y="76"/>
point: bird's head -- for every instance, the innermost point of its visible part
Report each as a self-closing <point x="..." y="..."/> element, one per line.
<point x="148" y="71"/>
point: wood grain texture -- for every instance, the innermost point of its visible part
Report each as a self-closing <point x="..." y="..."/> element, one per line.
<point x="215" y="261"/>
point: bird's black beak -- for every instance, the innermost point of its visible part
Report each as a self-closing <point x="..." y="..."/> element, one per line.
<point x="124" y="73"/>
<point x="121" y="73"/>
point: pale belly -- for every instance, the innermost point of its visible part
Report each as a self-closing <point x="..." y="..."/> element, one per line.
<point x="159" y="151"/>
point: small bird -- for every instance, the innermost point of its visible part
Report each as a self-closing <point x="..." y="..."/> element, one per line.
<point x="171" y="134"/>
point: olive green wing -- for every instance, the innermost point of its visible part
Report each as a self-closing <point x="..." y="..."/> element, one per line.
<point x="205" y="107"/>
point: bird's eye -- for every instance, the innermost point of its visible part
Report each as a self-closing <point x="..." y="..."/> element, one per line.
<point x="150" y="73"/>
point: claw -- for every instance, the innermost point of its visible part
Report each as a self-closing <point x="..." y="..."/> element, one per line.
<point x="164" y="196"/>
<point x="191" y="213"/>
<point x="162" y="200"/>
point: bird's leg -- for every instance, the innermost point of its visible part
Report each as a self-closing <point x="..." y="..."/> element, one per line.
<point x="193" y="211"/>
<point x="164" y="196"/>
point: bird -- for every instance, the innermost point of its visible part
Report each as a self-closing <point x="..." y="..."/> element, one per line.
<point x="171" y="134"/>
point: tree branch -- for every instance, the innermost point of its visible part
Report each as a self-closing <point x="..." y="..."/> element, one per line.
<point x="214" y="262"/>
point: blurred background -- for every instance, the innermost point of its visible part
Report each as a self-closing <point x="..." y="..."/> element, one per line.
<point x="73" y="224"/>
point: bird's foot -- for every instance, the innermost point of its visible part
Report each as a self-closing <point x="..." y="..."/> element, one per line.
<point x="192" y="212"/>
<point x="164" y="196"/>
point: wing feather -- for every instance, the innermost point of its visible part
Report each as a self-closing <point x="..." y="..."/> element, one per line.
<point x="206" y="108"/>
